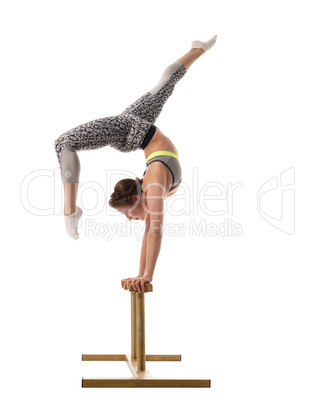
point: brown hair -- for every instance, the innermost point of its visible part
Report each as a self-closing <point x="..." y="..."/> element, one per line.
<point x="124" y="191"/>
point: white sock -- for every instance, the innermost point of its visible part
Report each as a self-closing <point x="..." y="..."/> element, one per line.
<point x="71" y="223"/>
<point x="204" y="45"/>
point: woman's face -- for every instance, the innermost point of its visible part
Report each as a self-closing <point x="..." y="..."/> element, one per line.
<point x="136" y="211"/>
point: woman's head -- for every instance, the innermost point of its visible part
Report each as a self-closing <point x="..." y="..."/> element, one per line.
<point x="127" y="198"/>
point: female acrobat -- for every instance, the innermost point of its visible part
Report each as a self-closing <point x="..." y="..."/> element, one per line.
<point x="133" y="129"/>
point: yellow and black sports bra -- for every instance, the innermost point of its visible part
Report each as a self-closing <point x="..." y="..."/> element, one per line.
<point x="169" y="159"/>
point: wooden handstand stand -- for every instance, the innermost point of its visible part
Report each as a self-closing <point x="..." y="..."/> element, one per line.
<point x="137" y="360"/>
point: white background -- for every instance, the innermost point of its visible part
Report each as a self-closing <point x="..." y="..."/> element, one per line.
<point x="238" y="308"/>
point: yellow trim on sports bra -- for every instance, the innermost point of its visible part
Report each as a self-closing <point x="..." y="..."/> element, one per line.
<point x="157" y="153"/>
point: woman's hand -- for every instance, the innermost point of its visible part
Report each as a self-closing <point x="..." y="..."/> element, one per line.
<point x="128" y="281"/>
<point x="137" y="282"/>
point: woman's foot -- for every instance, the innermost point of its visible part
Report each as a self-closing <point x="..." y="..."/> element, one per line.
<point x="71" y="223"/>
<point x="204" y="45"/>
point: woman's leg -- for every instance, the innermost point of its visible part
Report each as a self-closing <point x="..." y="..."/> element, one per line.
<point x="112" y="131"/>
<point x="72" y="213"/>
<point x="191" y="56"/>
<point x="70" y="173"/>
<point x="148" y="107"/>
<point x="70" y="196"/>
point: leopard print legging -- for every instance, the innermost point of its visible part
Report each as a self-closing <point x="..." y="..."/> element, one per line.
<point x="124" y="132"/>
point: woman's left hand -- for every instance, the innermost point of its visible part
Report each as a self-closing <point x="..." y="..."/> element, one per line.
<point x="138" y="283"/>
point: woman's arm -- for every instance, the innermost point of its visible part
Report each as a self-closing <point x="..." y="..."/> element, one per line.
<point x="155" y="203"/>
<point x="144" y="247"/>
<point x="152" y="238"/>
<point x="153" y="249"/>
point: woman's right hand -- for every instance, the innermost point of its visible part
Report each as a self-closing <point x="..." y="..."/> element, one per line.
<point x="128" y="281"/>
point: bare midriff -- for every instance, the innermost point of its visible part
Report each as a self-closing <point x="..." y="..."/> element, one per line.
<point x="159" y="142"/>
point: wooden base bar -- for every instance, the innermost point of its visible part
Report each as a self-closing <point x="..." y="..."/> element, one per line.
<point x="122" y="358"/>
<point x="141" y="377"/>
<point x="144" y="383"/>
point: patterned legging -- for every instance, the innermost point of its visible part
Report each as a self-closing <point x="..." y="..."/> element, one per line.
<point x="124" y="132"/>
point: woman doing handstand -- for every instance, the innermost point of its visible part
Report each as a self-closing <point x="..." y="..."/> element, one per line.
<point x="131" y="130"/>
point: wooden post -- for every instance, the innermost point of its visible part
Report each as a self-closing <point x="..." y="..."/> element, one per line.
<point x="133" y="327"/>
<point x="140" y="318"/>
